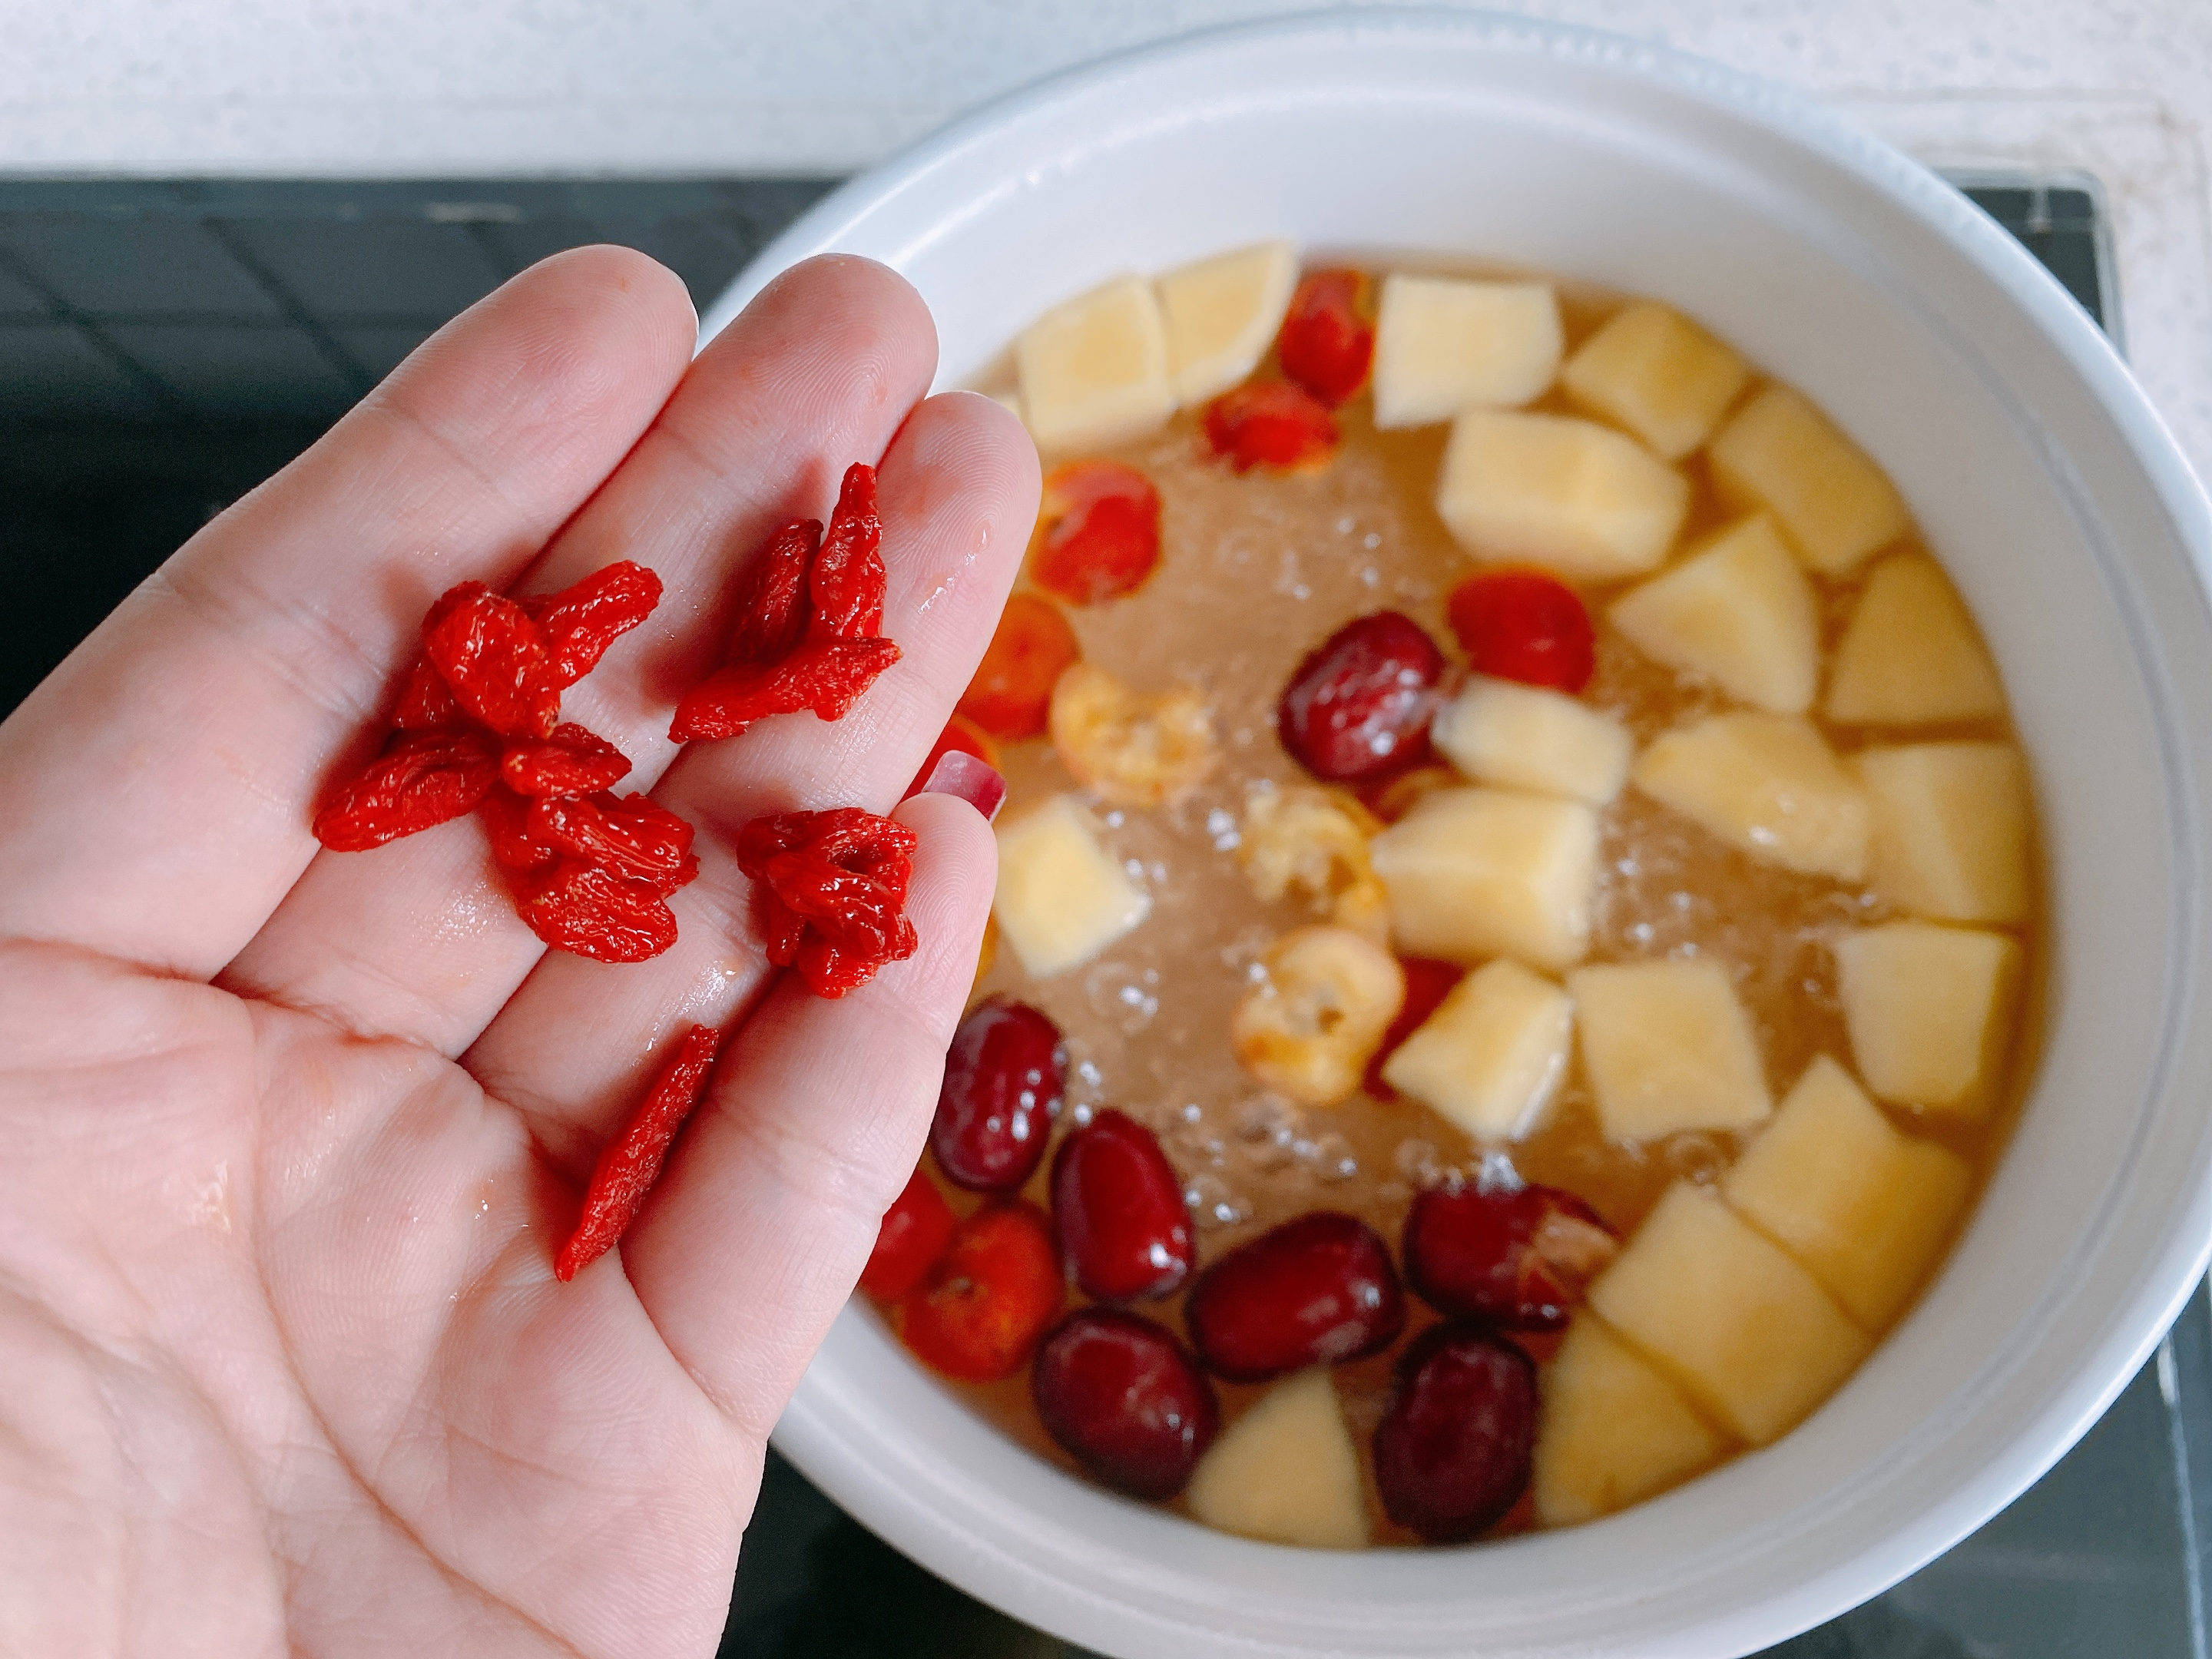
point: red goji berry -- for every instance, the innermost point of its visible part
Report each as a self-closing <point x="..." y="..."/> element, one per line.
<point x="593" y="911"/>
<point x="494" y="657"/>
<point x="426" y="701"/>
<point x="1271" y="424"/>
<point x="833" y="888"/>
<point x="573" y="760"/>
<point x="422" y="779"/>
<point x="630" y="836"/>
<point x="983" y="1308"/>
<point x="514" y="848"/>
<point x="915" y="1230"/>
<point x="629" y="1164"/>
<point x="825" y="676"/>
<point x="846" y="586"/>
<point x="586" y="616"/>
<point x="1327" y="344"/>
<point x="772" y="604"/>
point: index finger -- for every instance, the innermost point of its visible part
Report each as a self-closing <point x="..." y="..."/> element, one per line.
<point x="161" y="778"/>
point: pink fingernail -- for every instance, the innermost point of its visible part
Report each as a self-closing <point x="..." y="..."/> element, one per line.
<point x="976" y="781"/>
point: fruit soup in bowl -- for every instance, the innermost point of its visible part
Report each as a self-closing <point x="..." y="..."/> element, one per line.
<point x="1537" y="981"/>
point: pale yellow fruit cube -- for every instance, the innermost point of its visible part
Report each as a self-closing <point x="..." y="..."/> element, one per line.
<point x="1666" y="1045"/>
<point x="1910" y="655"/>
<point x="1929" y="1012"/>
<point x="1525" y="737"/>
<point x="1062" y="898"/>
<point x="1443" y="343"/>
<point x="1222" y="314"/>
<point x="1654" y="371"/>
<point x="1094" y="371"/>
<point x="1728" y="1314"/>
<point x="1836" y="506"/>
<point x="1492" y="1055"/>
<point x="1611" y="1431"/>
<point x="1766" y="783"/>
<point x="1286" y="1471"/>
<point x="1950" y="829"/>
<point x="1574" y="497"/>
<point x="1475" y="873"/>
<point x="1866" y="1208"/>
<point x="1738" y="612"/>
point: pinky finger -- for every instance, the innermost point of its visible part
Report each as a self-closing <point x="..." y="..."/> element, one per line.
<point x="771" y="1205"/>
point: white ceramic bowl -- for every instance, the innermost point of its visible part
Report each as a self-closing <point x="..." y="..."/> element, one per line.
<point x="2065" y="514"/>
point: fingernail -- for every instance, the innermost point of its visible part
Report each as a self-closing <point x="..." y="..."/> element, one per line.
<point x="976" y="781"/>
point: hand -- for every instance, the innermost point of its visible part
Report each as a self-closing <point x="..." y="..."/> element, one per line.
<point x="289" y="1139"/>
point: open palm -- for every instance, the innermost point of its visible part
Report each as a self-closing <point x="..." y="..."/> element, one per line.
<point x="288" y="1138"/>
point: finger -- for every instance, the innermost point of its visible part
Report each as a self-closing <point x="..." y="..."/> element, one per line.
<point x="959" y="495"/>
<point x="771" y="1204"/>
<point x="419" y="938"/>
<point x="161" y="781"/>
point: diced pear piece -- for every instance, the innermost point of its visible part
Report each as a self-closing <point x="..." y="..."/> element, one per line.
<point x="1443" y="343"/>
<point x="1950" y="829"/>
<point x="1061" y="896"/>
<point x="1094" y="370"/>
<point x="1654" y="371"/>
<point x="1929" y="1010"/>
<point x="1668" y="1046"/>
<point x="1611" y="1431"/>
<point x="1910" y="655"/>
<point x="1286" y="1471"/>
<point x="1865" y="1207"/>
<point x="1525" y="736"/>
<point x="1738" y="613"/>
<point x="1493" y="1054"/>
<point x="1475" y="873"/>
<point x="1729" y="1315"/>
<point x="1836" y="506"/>
<point x="1766" y="783"/>
<point x="1222" y="314"/>
<point x="1577" y="498"/>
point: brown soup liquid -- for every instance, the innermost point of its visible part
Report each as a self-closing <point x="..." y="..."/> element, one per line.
<point x="1255" y="570"/>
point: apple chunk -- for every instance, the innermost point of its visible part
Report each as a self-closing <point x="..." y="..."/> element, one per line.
<point x="1929" y="1010"/>
<point x="1443" y="343"/>
<point x="1654" y="371"/>
<point x="1286" y="1471"/>
<point x="1061" y="897"/>
<point x="1738" y="613"/>
<point x="1493" y="1054"/>
<point x="1767" y="784"/>
<point x="1729" y="1315"/>
<point x="1222" y="314"/>
<point x="1094" y="370"/>
<point x="1950" y="829"/>
<point x="1865" y="1207"/>
<point x="1611" y="1431"/>
<point x="1910" y="655"/>
<point x="1668" y="1046"/>
<point x="1475" y="873"/>
<point x="1525" y="737"/>
<point x="1577" y="498"/>
<point x="1780" y="453"/>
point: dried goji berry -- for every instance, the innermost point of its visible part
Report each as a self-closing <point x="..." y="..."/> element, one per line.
<point x="1524" y="625"/>
<point x="583" y="619"/>
<point x="630" y="836"/>
<point x="990" y="1297"/>
<point x="1326" y="344"/>
<point x="833" y="887"/>
<point x="426" y="701"/>
<point x="1098" y="531"/>
<point x="1012" y="691"/>
<point x="494" y="657"/>
<point x="422" y="779"/>
<point x="629" y="1165"/>
<point x="772" y="604"/>
<point x="846" y="586"/>
<point x="823" y="675"/>
<point x="514" y="848"/>
<point x="915" y="1230"/>
<point x="571" y="762"/>
<point x="595" y="912"/>
<point x="1271" y="423"/>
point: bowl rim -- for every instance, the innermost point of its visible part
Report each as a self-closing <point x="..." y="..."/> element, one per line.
<point x="2167" y="1275"/>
